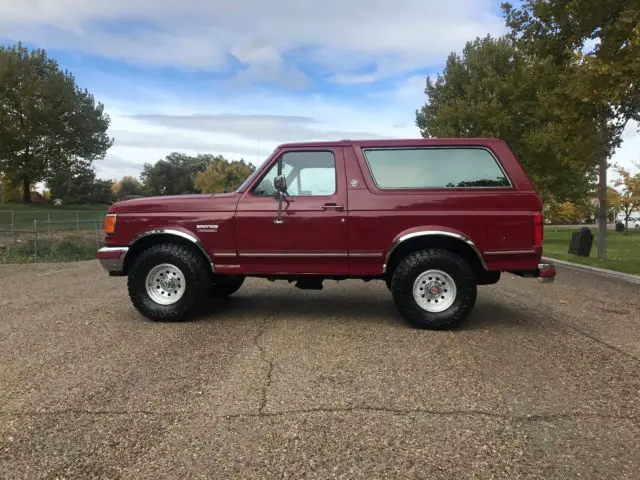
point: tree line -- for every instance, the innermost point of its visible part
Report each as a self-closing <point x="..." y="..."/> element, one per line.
<point x="176" y="174"/>
<point x="560" y="87"/>
<point x="179" y="174"/>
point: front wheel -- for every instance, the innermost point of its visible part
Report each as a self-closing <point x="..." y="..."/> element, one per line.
<point x="434" y="289"/>
<point x="224" y="287"/>
<point x="167" y="282"/>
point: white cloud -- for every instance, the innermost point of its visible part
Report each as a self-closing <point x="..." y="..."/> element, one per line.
<point x="340" y="37"/>
<point x="146" y="132"/>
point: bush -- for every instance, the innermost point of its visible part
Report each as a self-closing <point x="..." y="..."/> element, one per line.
<point x="67" y="249"/>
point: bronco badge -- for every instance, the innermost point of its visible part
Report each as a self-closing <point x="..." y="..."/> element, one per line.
<point x="207" y="228"/>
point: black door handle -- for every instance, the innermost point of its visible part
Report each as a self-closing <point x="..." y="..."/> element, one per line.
<point x="332" y="206"/>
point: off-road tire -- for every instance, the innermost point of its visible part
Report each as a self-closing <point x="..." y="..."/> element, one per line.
<point x="197" y="277"/>
<point x="223" y="287"/>
<point x="415" y="264"/>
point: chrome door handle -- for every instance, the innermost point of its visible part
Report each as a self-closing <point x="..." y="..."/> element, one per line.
<point x="332" y="206"/>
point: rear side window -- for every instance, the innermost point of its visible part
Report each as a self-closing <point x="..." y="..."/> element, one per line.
<point x="431" y="167"/>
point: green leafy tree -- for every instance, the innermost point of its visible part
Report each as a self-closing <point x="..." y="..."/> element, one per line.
<point x="102" y="192"/>
<point x="223" y="175"/>
<point x="79" y="185"/>
<point x="173" y="175"/>
<point x="603" y="38"/>
<point x="495" y="90"/>
<point x="127" y="187"/>
<point x="629" y="193"/>
<point x="11" y="193"/>
<point x="46" y="121"/>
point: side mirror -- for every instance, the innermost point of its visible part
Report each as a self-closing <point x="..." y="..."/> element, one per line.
<point x="280" y="183"/>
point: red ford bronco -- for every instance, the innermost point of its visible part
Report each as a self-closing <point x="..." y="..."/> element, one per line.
<point x="432" y="218"/>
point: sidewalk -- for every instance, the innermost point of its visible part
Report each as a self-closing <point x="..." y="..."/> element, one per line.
<point x="626" y="277"/>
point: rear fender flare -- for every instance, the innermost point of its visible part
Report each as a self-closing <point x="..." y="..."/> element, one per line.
<point x="428" y="231"/>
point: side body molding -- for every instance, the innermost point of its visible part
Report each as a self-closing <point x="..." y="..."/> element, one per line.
<point x="428" y="233"/>
<point x="178" y="233"/>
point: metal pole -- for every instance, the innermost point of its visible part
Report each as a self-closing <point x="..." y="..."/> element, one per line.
<point x="97" y="241"/>
<point x="12" y="220"/>
<point x="35" y="243"/>
<point x="48" y="223"/>
<point x="77" y="221"/>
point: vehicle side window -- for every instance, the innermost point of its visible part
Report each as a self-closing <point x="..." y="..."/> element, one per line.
<point x="433" y="167"/>
<point x="307" y="174"/>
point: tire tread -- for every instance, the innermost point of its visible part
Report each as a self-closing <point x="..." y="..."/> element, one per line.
<point x="454" y="265"/>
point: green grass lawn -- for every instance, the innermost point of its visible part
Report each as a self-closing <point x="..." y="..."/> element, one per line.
<point x="623" y="251"/>
<point x="63" y="217"/>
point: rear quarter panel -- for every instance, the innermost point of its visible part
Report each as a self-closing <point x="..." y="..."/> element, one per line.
<point x="497" y="220"/>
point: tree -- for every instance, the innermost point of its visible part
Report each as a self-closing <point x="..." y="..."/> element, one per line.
<point x="46" y="121"/>
<point x="102" y="192"/>
<point x="173" y="175"/>
<point x="127" y="187"/>
<point x="629" y="194"/>
<point x="613" y="202"/>
<point x="223" y="175"/>
<point x="72" y="184"/>
<point x="495" y="90"/>
<point x="603" y="37"/>
<point x="11" y="193"/>
<point x="79" y="185"/>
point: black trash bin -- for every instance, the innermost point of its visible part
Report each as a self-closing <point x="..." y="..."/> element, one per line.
<point x="581" y="242"/>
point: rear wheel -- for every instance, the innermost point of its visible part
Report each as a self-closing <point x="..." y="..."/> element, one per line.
<point x="167" y="281"/>
<point x="434" y="289"/>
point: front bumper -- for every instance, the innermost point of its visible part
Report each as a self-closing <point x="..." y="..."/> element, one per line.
<point x="546" y="272"/>
<point x="112" y="259"/>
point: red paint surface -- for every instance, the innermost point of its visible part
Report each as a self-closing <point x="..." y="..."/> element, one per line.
<point x="353" y="241"/>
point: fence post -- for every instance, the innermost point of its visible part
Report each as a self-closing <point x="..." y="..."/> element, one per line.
<point x="48" y="222"/>
<point x="97" y="241"/>
<point x="12" y="228"/>
<point x="35" y="243"/>
<point x="77" y="221"/>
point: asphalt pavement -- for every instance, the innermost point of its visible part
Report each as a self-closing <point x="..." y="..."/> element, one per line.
<point x="542" y="381"/>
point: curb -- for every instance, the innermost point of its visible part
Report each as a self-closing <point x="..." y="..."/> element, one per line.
<point x="625" y="277"/>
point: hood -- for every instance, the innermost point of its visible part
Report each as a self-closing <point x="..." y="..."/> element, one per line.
<point x="205" y="202"/>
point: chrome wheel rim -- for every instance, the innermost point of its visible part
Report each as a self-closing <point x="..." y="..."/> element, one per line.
<point x="434" y="291"/>
<point x="165" y="284"/>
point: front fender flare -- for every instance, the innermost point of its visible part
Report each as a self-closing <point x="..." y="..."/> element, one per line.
<point x="177" y="232"/>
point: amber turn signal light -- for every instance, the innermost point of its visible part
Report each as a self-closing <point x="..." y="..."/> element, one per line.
<point x="109" y="224"/>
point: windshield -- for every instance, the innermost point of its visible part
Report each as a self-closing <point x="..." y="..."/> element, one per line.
<point x="255" y="172"/>
<point x="247" y="180"/>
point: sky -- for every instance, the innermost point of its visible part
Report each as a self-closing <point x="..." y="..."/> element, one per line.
<point x="239" y="77"/>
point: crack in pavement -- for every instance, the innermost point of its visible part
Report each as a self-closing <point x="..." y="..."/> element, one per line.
<point x="263" y="353"/>
<point x="533" y="417"/>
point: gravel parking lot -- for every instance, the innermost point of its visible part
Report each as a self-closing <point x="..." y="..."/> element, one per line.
<point x="543" y="381"/>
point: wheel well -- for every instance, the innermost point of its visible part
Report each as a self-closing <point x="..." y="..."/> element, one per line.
<point x="443" y="242"/>
<point x="146" y="242"/>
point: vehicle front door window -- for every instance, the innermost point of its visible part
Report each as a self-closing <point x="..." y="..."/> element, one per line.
<point x="308" y="174"/>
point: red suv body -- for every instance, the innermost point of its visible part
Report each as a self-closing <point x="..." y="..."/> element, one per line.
<point x="374" y="209"/>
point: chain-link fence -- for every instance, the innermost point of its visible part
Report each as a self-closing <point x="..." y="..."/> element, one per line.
<point x="50" y="241"/>
<point x="53" y="219"/>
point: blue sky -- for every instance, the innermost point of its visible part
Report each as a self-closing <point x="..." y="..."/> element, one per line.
<point x="238" y="77"/>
